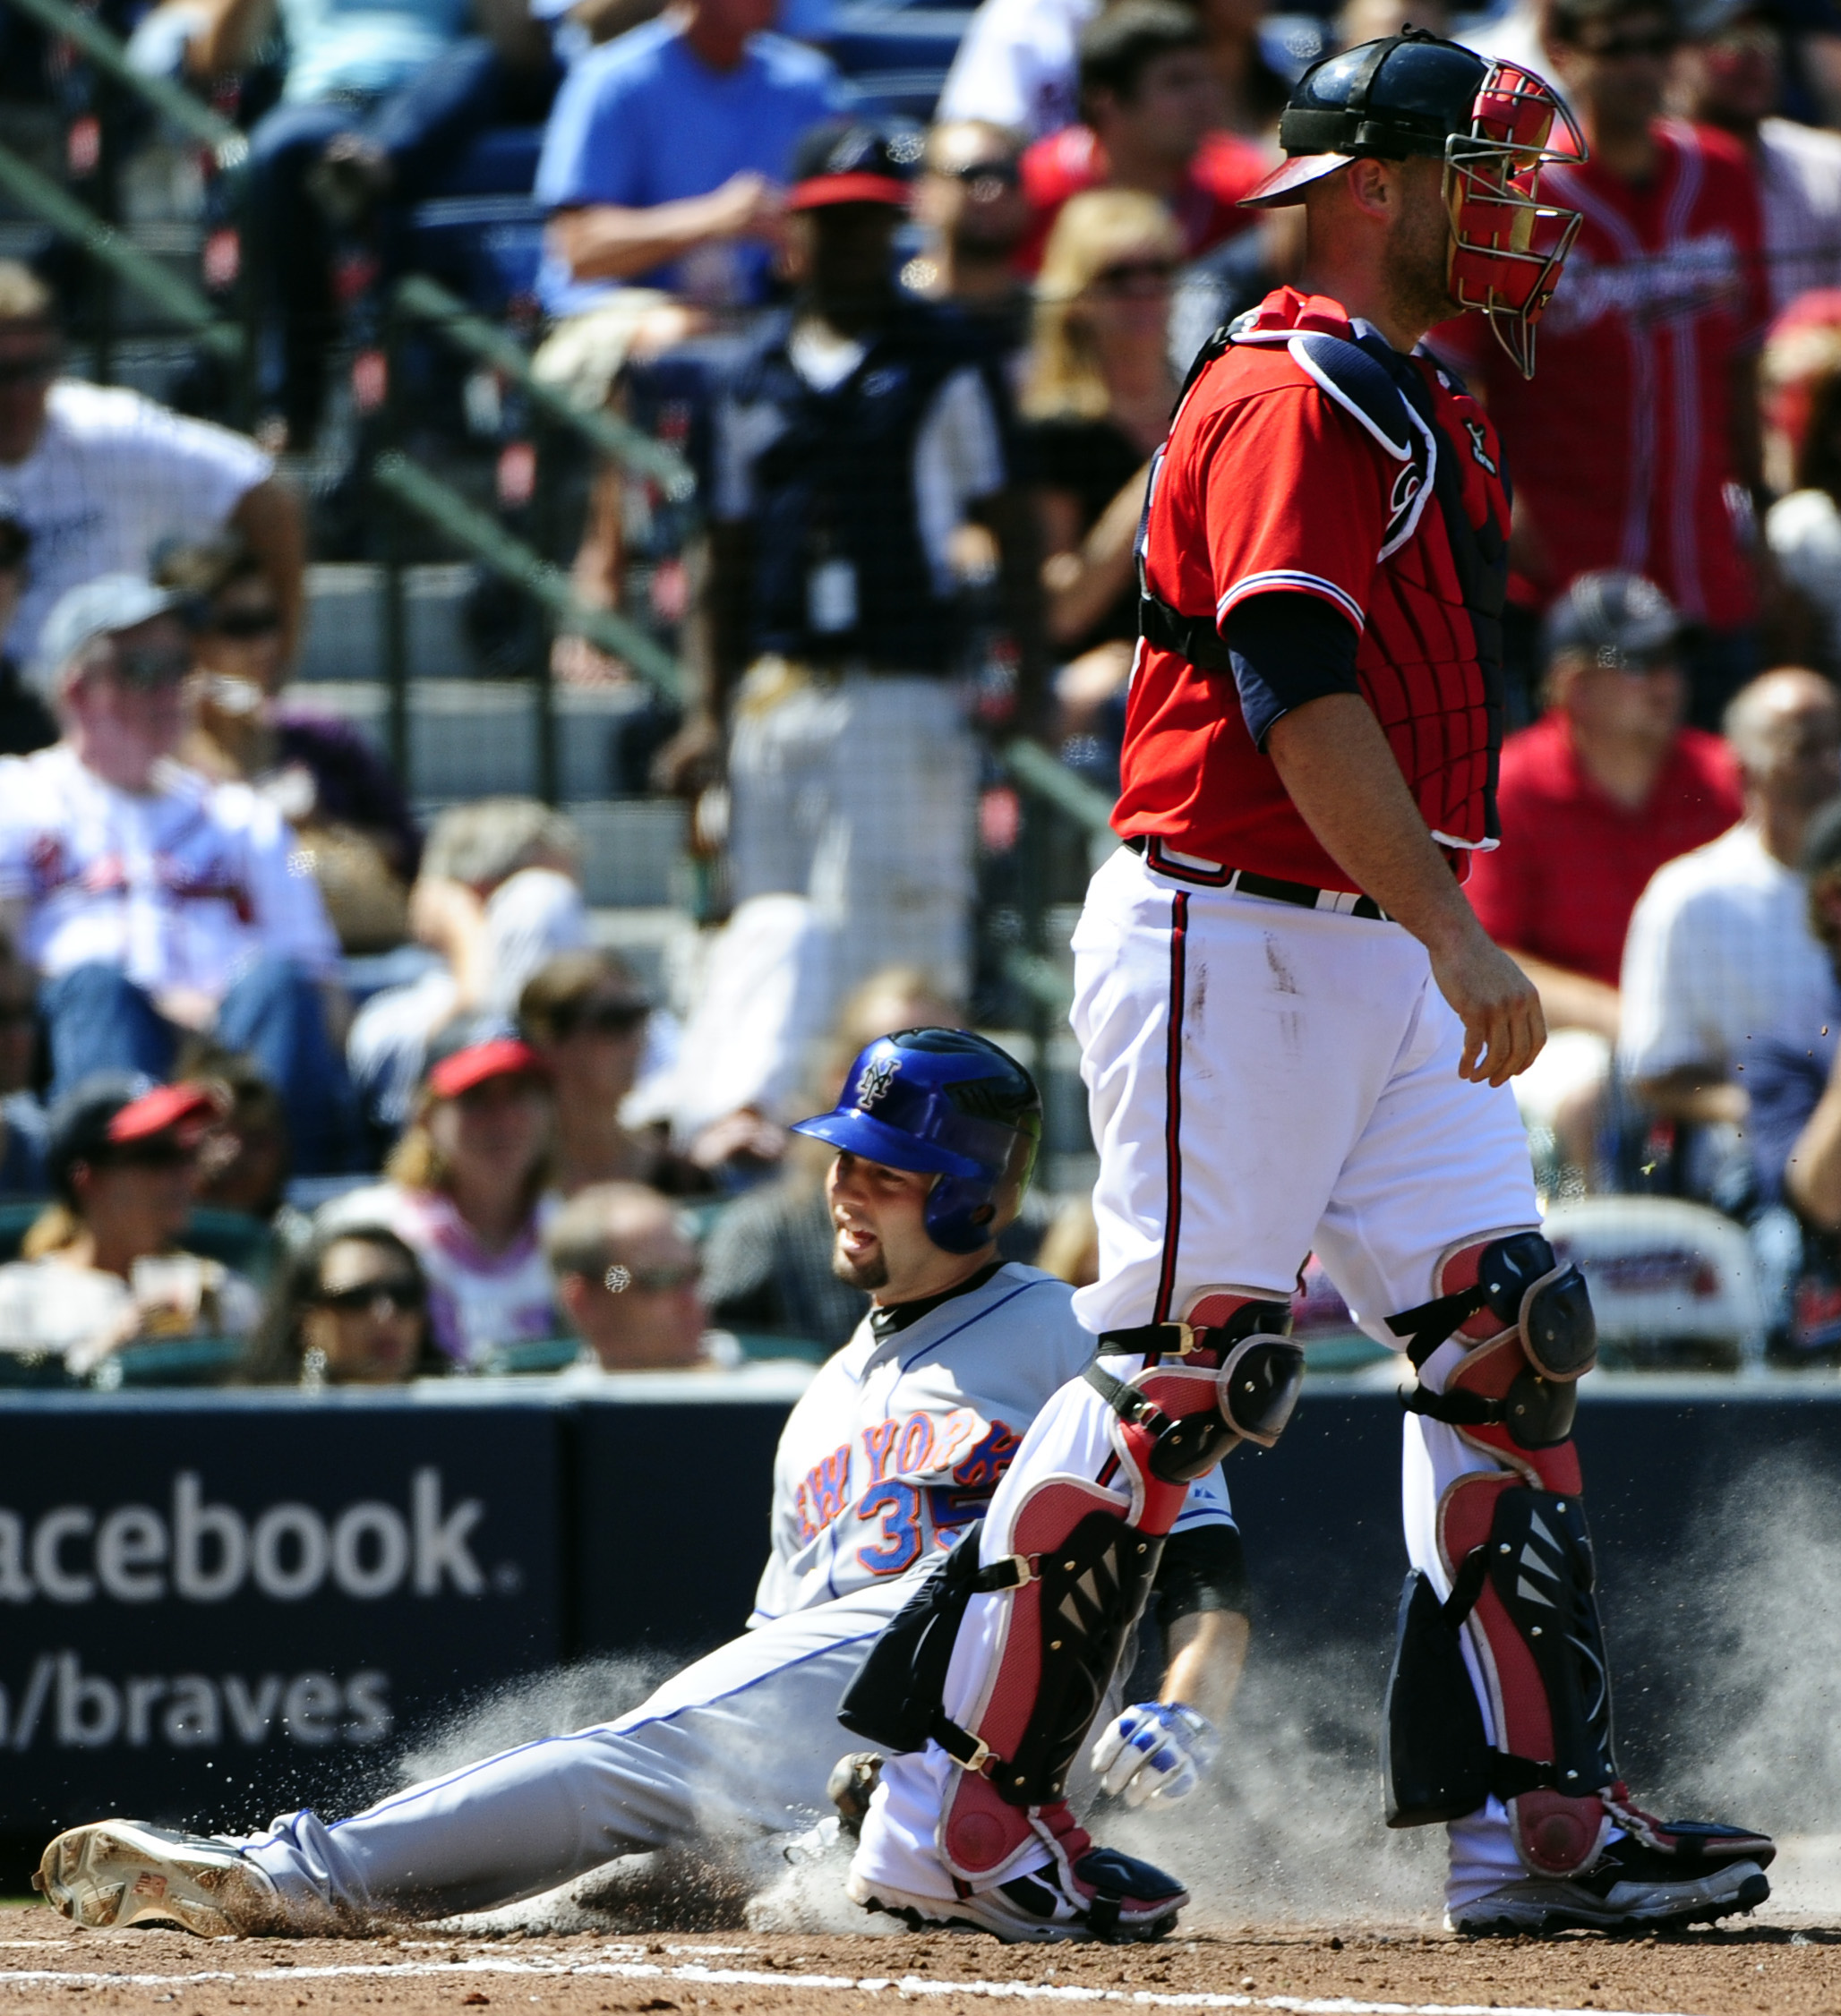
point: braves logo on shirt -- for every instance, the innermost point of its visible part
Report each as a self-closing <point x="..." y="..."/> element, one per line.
<point x="1698" y="274"/>
<point x="1407" y="486"/>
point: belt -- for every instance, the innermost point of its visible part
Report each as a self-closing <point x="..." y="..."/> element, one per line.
<point x="1243" y="881"/>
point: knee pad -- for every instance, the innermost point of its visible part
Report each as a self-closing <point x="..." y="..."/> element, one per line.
<point x="1519" y="1563"/>
<point x="1527" y="1325"/>
<point x="1228" y="1373"/>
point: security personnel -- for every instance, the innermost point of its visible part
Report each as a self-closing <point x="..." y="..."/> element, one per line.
<point x="851" y="446"/>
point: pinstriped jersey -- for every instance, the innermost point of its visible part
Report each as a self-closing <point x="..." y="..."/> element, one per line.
<point x="899" y="1442"/>
<point x="1622" y="447"/>
<point x="1273" y="481"/>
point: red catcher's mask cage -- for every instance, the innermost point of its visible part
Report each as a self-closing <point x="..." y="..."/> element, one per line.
<point x="1507" y="245"/>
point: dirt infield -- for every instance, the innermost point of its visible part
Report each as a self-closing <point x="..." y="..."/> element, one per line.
<point x="1771" y="1965"/>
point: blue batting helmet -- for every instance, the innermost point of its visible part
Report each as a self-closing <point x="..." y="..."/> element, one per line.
<point x="950" y="1104"/>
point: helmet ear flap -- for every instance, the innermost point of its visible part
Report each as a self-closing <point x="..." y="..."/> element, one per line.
<point x="959" y="1213"/>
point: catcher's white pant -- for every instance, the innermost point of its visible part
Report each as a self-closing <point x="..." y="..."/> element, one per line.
<point x="1266" y="1081"/>
<point x="858" y="793"/>
<point x="738" y="1744"/>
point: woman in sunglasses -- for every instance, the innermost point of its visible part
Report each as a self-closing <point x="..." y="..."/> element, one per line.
<point x="1096" y="400"/>
<point x="465" y="1191"/>
<point x="352" y="1310"/>
<point x="587" y="1017"/>
<point x="350" y="814"/>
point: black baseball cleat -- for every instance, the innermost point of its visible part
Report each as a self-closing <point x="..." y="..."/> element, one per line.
<point x="1688" y="1872"/>
<point x="1114" y="1898"/>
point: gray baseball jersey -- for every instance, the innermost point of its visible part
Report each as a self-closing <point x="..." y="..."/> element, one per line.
<point x="897" y="1444"/>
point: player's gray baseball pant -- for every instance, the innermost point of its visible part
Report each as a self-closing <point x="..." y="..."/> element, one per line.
<point x="738" y="1744"/>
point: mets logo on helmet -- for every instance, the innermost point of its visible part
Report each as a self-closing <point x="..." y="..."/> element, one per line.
<point x="878" y="1075"/>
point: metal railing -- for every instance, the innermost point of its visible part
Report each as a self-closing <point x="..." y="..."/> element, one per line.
<point x="141" y="271"/>
<point x="420" y="299"/>
<point x="172" y="101"/>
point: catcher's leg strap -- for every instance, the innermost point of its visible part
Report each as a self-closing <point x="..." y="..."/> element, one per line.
<point x="1526" y="1322"/>
<point x="1242" y="1352"/>
<point x="1519" y="1562"/>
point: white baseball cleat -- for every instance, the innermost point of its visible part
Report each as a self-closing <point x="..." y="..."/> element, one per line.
<point x="1115" y="1899"/>
<point x="121" y="1872"/>
<point x="1629" y="1887"/>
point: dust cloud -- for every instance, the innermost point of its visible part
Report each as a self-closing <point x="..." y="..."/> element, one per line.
<point x="1728" y="1666"/>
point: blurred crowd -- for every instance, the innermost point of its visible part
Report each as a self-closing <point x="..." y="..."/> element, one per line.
<point x="920" y="371"/>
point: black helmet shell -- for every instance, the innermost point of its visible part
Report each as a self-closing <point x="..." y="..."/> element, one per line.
<point x="1406" y="94"/>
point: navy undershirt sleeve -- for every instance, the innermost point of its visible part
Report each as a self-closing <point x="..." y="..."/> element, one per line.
<point x="1287" y="648"/>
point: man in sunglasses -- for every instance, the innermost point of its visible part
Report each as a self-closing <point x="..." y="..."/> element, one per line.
<point x="99" y="475"/>
<point x="969" y="204"/>
<point x="626" y="1280"/>
<point x="1593" y="798"/>
<point x="152" y="902"/>
<point x="1638" y="445"/>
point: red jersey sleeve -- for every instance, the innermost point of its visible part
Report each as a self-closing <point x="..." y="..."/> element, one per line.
<point x="1296" y="500"/>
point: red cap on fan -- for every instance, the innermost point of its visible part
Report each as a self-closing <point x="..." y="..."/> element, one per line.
<point x="185" y="1110"/>
<point x="502" y="1057"/>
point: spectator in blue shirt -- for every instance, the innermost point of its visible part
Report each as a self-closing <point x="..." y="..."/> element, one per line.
<point x="664" y="170"/>
<point x="667" y="152"/>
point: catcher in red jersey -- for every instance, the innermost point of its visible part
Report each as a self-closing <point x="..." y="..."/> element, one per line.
<point x="1295" y="1036"/>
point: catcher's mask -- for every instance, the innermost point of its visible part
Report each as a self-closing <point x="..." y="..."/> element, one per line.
<point x="1493" y="126"/>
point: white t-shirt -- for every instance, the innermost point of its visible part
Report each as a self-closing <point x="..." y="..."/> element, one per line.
<point x="1019" y="65"/>
<point x="182" y="886"/>
<point x="476" y="1299"/>
<point x="111" y="476"/>
<point x="1719" y="954"/>
<point x="81" y="1312"/>
<point x="1799" y="185"/>
<point x="899" y="1442"/>
<point x="1804" y="533"/>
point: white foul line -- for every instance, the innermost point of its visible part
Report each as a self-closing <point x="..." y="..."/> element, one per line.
<point x="742" y="1976"/>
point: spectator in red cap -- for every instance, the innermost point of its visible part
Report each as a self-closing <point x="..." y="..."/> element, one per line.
<point x="102" y="1266"/>
<point x="464" y="1189"/>
<point x="1151" y="104"/>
